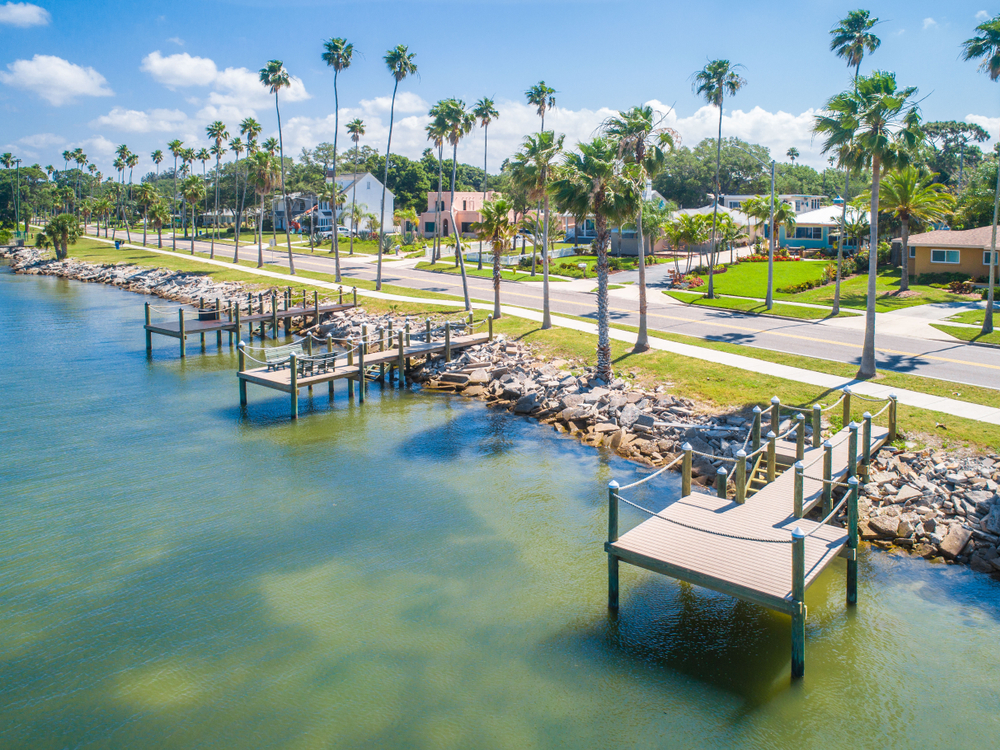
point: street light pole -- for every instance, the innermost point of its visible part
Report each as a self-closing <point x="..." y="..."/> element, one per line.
<point x="770" y="251"/>
<point x="17" y="199"/>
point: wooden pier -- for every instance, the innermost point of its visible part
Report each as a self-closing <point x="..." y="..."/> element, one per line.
<point x="258" y="312"/>
<point x="383" y="354"/>
<point x="759" y="547"/>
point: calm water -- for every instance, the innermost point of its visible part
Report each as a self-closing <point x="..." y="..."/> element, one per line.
<point x="419" y="572"/>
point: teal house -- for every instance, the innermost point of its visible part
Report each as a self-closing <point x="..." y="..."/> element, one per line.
<point x="819" y="229"/>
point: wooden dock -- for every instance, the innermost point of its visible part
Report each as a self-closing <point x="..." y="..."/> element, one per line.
<point x="759" y="548"/>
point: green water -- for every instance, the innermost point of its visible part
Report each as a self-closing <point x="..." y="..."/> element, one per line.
<point x="419" y="572"/>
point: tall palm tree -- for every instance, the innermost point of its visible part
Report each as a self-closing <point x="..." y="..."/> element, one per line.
<point x="236" y="146"/>
<point x="399" y="61"/>
<point x="262" y="173"/>
<point x="437" y="132"/>
<point x="910" y="196"/>
<point x="496" y="227"/>
<point x="187" y="159"/>
<point x="642" y="142"/>
<point x="792" y="154"/>
<point x="985" y="47"/>
<point x="850" y="39"/>
<point x="460" y="122"/>
<point x="205" y="156"/>
<point x="92" y="168"/>
<point x="880" y="123"/>
<point x="81" y="159"/>
<point x="531" y="168"/>
<point x="193" y="190"/>
<point x="275" y="77"/>
<point x="590" y="183"/>
<point x="486" y="112"/>
<point x="159" y="213"/>
<point x="157" y="157"/>
<point x="356" y="129"/>
<point x="250" y="129"/>
<point x="176" y="148"/>
<point x="338" y="56"/>
<point x="219" y="134"/>
<point x="714" y="82"/>
<point x="146" y="196"/>
<point x="541" y="97"/>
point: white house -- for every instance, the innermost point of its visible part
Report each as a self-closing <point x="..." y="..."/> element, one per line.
<point x="799" y="202"/>
<point x="366" y="190"/>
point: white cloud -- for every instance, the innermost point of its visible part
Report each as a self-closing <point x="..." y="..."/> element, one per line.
<point x="96" y="147"/>
<point x="134" y="121"/>
<point x="990" y="124"/>
<point x="24" y="15"/>
<point x="181" y="69"/>
<point x="406" y="102"/>
<point x="930" y="23"/>
<point x="176" y="40"/>
<point x="56" y="80"/>
<point x="242" y="89"/>
<point x="42" y="140"/>
<point x="982" y="16"/>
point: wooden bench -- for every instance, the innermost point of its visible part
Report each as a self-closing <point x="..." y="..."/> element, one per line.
<point x="277" y="357"/>
<point x="315" y="364"/>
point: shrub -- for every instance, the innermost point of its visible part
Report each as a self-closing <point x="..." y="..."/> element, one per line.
<point x="5" y="236"/>
<point x="962" y="287"/>
<point x="884" y="253"/>
<point x="942" y="279"/>
<point x="703" y="270"/>
<point x="693" y="281"/>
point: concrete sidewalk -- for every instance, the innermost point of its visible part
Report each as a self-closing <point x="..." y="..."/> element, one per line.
<point x="967" y="410"/>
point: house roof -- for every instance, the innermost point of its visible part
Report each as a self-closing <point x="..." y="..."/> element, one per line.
<point x="980" y="237"/>
<point x="738" y="216"/>
<point x="828" y="216"/>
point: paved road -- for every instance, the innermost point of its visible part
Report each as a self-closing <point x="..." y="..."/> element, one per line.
<point x="956" y="361"/>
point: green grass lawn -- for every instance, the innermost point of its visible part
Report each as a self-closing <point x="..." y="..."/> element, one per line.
<point x="754" y="307"/>
<point x="971" y="335"/>
<point x="750" y="279"/>
<point x="486" y="273"/>
<point x="972" y="317"/>
<point x="569" y="265"/>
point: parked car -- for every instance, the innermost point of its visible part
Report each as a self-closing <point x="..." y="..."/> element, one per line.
<point x="344" y="231"/>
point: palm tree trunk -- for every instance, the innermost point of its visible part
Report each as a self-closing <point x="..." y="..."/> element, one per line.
<point x="385" y="179"/>
<point x="354" y="198"/>
<point x="642" y="339"/>
<point x="237" y="207"/>
<point x="904" y="276"/>
<point x="486" y="147"/>
<point x="497" y="249"/>
<point x="988" y="317"/>
<point x="145" y="221"/>
<point x="715" y="209"/>
<point x="215" y="228"/>
<point x="159" y="237"/>
<point x="867" y="369"/>
<point x="437" y="207"/>
<point x="546" y="313"/>
<point x="173" y="209"/>
<point x="603" y="322"/>
<point x="456" y="229"/>
<point x="336" y="128"/>
<point x="284" y="190"/>
<point x="194" y="231"/>
<point x="840" y="244"/>
<point x="260" y="233"/>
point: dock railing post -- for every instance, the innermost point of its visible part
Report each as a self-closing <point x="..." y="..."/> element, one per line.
<point x="852" y="450"/>
<point x="817" y="425"/>
<point x="354" y="291"/>
<point x="361" y="366"/>
<point x="771" y="456"/>
<point x="242" y="365"/>
<point x="686" y="470"/>
<point x="447" y="341"/>
<point x="800" y="436"/>
<point x="847" y="406"/>
<point x="775" y="414"/>
<point x="797" y="497"/>
<point x="612" y="538"/>
<point x="866" y="446"/>
<point x="294" y="367"/>
<point x="180" y="320"/>
<point x="329" y="350"/>
<point x="721" y="479"/>
<point x="400" y="360"/>
<point x="350" y="363"/>
<point x="316" y="306"/>
<point x="798" y="601"/>
<point x="827" y="477"/>
<point x="340" y="295"/>
<point x="149" y="336"/>
<point x="893" y="404"/>
<point x="231" y="319"/>
<point x="489" y="322"/>
<point x="741" y="476"/>
<point x="218" y="315"/>
<point x="755" y="444"/>
<point x="406" y="342"/>
<point x="852" y="541"/>
<point x="427" y="330"/>
<point x="381" y="348"/>
<point x="274" y="314"/>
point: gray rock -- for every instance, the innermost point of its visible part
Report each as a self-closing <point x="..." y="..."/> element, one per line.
<point x="955" y="541"/>
<point x="526" y="403"/>
<point x="630" y="413"/>
<point x="644" y="420"/>
<point x="884" y="526"/>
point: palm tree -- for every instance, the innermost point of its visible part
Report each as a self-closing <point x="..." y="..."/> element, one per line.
<point x="92" y="168"/>
<point x="849" y="40"/>
<point x="262" y="174"/>
<point x="642" y="142"/>
<point x="159" y="213"/>
<point x="193" y="190"/>
<point x="399" y="60"/>
<point x="759" y="208"/>
<point x="176" y="148"/>
<point x="187" y="159"/>
<point x="985" y="47"/>
<point x="356" y="128"/>
<point x="250" y="129"/>
<point x="485" y="112"/>
<point x="338" y="56"/>
<point x="497" y="228"/>
<point x="204" y="156"/>
<point x="714" y="82"/>
<point x="792" y="154"/>
<point x="460" y="123"/>
<point x="880" y="123"/>
<point x="590" y="184"/>
<point x="912" y="197"/>
<point x="729" y="232"/>
<point x="157" y="157"/>
<point x="684" y="231"/>
<point x="81" y="159"/>
<point x="275" y="77"/>
<point x="356" y="215"/>
<point x="146" y="196"/>
<point x="531" y="169"/>
<point x="218" y="132"/>
<point x="541" y="97"/>
<point x="63" y="231"/>
<point x="437" y="131"/>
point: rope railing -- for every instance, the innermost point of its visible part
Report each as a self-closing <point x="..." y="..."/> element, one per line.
<point x="654" y="474"/>
<point x="712" y="532"/>
<point x="832" y="513"/>
<point x="835" y="403"/>
<point x="869" y="398"/>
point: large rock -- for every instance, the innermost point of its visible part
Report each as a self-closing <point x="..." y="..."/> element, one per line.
<point x="955" y="542"/>
<point x="992" y="520"/>
<point x="644" y="420"/>
<point x="526" y="403"/>
<point x="479" y="376"/>
<point x="884" y="526"/>
<point x="906" y="492"/>
<point x="574" y="413"/>
<point x="629" y="414"/>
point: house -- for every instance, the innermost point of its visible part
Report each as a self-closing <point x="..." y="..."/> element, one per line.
<point x="364" y="189"/>
<point x="467" y="207"/>
<point x="801" y="203"/>
<point x="952" y="251"/>
<point x="817" y="229"/>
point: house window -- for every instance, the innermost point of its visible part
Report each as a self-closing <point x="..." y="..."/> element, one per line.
<point x="429" y="226"/>
<point x="946" y="256"/>
<point x="369" y="185"/>
<point x="808" y="233"/>
<point x="464" y="207"/>
<point x="986" y="257"/>
<point x="466" y="227"/>
<point x="815" y="203"/>
<point x="913" y="251"/>
<point x="735" y="204"/>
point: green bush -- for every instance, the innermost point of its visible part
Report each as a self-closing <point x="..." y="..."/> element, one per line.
<point x="5" y="236"/>
<point x="941" y="280"/>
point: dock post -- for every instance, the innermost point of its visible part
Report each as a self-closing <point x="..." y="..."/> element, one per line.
<point x="817" y="425"/>
<point x="350" y="363"/>
<point x="866" y="446"/>
<point x="309" y="352"/>
<point x="149" y="336"/>
<point x="381" y="348"/>
<point x="771" y="455"/>
<point x="180" y="320"/>
<point x="798" y="597"/>
<point x="686" y="470"/>
<point x="847" y="406"/>
<point x="827" y="477"/>
<point x="241" y="359"/>
<point x="852" y="541"/>
<point x="797" y="497"/>
<point x="400" y="360"/>
<point x="489" y="321"/>
<point x="756" y="429"/>
<point x="721" y="479"/>
<point x="407" y="342"/>
<point x="231" y="320"/>
<point x="427" y="327"/>
<point x="274" y="314"/>
<point x="239" y="333"/>
<point x="852" y="450"/>
<point x="355" y="292"/>
<point x="775" y="414"/>
<point x="390" y="339"/>
<point x="361" y="368"/>
<point x="612" y="538"/>
<point x="329" y="350"/>
<point x="447" y="341"/>
<point x="201" y="307"/>
<point x="893" y="403"/>
<point x="340" y="293"/>
<point x="800" y="436"/>
<point x="316" y="306"/>
<point x="218" y="314"/>
<point x="741" y="476"/>
<point x="293" y="365"/>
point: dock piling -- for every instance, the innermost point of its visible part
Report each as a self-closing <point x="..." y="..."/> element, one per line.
<point x="316" y="307"/>
<point x="355" y="292"/>
<point x="721" y="479"/>
<point x="797" y="491"/>
<point x="771" y="456"/>
<point x="329" y="350"/>
<point x="447" y="342"/>
<point x="852" y="541"/>
<point x="686" y="470"/>
<point x="218" y="314"/>
<point x="149" y="336"/>
<point x="852" y="450"/>
<point x="180" y="322"/>
<point x="741" y="476"/>
<point x="362" y="348"/>
<point x="400" y="361"/>
<point x="242" y="364"/>
<point x="866" y="446"/>
<point x="350" y="363"/>
<point x="274" y="314"/>
<point x="489" y="321"/>
<point x="756" y="429"/>
<point x="893" y="404"/>
<point x="775" y="414"/>
<point x="294" y="365"/>
<point x="827" y="477"/>
<point x="817" y="425"/>
<point x="798" y="597"/>
<point x="612" y="538"/>
<point x="847" y="406"/>
<point x="800" y="436"/>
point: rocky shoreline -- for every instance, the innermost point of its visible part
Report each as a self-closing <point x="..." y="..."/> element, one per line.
<point x="928" y="503"/>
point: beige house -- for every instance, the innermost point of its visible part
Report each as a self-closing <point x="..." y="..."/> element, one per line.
<point x="951" y="251"/>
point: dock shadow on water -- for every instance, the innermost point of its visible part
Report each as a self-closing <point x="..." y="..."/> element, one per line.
<point x="416" y="572"/>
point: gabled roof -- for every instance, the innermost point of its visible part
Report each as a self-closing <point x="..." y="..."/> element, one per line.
<point x="828" y="216"/>
<point x="738" y="216"/>
<point x="980" y="237"/>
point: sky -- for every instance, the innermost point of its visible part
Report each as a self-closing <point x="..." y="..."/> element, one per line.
<point x="98" y="74"/>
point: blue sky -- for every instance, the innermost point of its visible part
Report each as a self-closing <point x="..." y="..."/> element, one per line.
<point x="97" y="74"/>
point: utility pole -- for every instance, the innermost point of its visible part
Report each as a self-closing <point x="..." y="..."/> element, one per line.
<point x="17" y="199"/>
